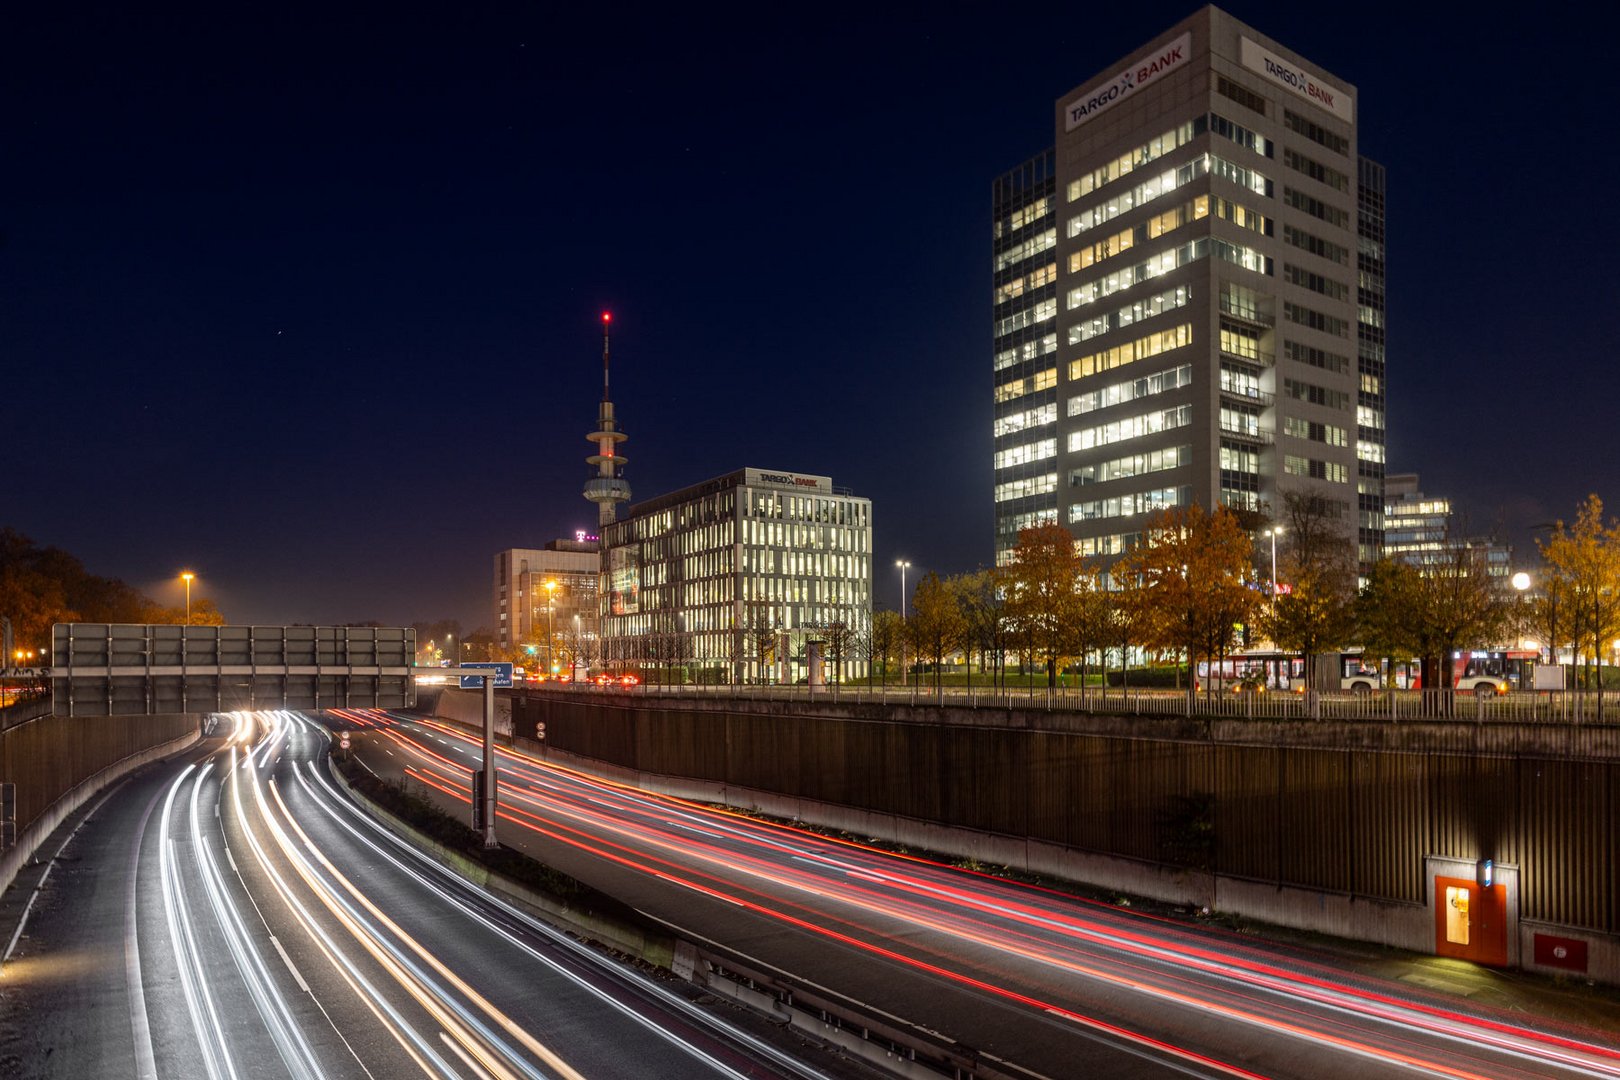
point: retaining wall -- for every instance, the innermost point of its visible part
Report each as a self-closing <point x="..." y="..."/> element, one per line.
<point x="1320" y="826"/>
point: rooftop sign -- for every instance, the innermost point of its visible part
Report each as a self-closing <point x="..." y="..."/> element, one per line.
<point x="1296" y="80"/>
<point x="1133" y="78"/>
<point x="793" y="480"/>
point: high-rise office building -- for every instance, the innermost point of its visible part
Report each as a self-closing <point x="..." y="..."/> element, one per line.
<point x="1189" y="296"/>
<point x="1370" y="362"/>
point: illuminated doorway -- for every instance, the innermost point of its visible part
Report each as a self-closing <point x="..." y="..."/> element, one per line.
<point x="1470" y="920"/>
<point x="1457" y="915"/>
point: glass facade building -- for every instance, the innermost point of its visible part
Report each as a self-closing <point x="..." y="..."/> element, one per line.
<point x="1024" y="247"/>
<point x="1189" y="297"/>
<point x="733" y="579"/>
<point x="1370" y="394"/>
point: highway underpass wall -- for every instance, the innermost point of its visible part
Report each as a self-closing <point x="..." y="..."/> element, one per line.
<point x="1334" y="827"/>
<point x="59" y="762"/>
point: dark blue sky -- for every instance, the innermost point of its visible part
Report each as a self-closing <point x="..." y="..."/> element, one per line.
<point x="275" y="278"/>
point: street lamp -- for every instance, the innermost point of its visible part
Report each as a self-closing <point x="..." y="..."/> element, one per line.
<point x="1272" y="532"/>
<point x="1521" y="584"/>
<point x="573" y="662"/>
<point x="904" y="565"/>
<point x="551" y="641"/>
<point x="187" y="576"/>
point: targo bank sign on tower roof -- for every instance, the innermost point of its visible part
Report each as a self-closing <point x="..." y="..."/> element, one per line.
<point x="1127" y="82"/>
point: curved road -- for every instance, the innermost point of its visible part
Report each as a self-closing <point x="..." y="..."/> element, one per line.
<point x="230" y="915"/>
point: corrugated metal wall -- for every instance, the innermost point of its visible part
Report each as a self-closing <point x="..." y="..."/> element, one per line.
<point x="1348" y="820"/>
<point x="47" y="757"/>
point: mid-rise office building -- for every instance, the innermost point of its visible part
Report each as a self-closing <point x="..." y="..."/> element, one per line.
<point x="529" y="613"/>
<point x="1423" y="531"/>
<point x="732" y="579"/>
<point x="1189" y="296"/>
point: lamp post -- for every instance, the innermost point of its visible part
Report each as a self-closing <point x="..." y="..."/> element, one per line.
<point x="1272" y="532"/>
<point x="903" y="565"/>
<point x="187" y="576"/>
<point x="574" y="655"/>
<point x="1521" y="584"/>
<point x="551" y="640"/>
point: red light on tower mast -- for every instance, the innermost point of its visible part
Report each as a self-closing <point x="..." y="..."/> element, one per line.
<point x="607" y="317"/>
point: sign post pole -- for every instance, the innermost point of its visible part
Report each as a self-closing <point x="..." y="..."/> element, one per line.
<point x="489" y="676"/>
<point x="489" y="762"/>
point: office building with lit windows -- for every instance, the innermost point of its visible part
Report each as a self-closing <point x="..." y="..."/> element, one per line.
<point x="1189" y="296"/>
<point x="1424" y="531"/>
<point x="733" y="579"/>
<point x="526" y="611"/>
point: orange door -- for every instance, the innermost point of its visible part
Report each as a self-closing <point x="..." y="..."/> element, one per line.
<point x="1470" y="921"/>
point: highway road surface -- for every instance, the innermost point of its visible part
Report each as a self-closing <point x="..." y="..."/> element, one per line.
<point x="230" y="915"/>
<point x="1036" y="983"/>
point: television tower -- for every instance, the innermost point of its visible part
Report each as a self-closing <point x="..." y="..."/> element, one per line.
<point x="607" y="489"/>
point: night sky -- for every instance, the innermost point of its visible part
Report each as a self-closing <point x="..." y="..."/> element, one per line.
<point x="275" y="279"/>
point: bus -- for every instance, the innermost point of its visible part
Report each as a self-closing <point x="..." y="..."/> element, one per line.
<point x="1258" y="670"/>
<point x="1478" y="671"/>
<point x="1270" y="670"/>
<point x="1494" y="670"/>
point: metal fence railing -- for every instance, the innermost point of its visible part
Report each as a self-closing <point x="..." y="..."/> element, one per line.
<point x="1391" y="706"/>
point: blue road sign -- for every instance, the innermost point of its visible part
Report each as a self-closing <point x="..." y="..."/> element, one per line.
<point x="503" y="676"/>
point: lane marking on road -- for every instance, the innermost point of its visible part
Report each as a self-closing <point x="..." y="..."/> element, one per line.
<point x="285" y="959"/>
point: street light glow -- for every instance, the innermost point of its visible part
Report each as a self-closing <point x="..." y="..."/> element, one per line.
<point x="1274" y="532"/>
<point x="551" y="629"/>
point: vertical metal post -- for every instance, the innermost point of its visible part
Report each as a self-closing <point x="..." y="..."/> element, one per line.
<point x="489" y="762"/>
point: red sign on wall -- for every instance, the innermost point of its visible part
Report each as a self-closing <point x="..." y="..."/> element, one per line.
<point x="1560" y="952"/>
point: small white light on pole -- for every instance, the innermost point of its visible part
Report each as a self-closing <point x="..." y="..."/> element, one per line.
<point x="1272" y="532"/>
